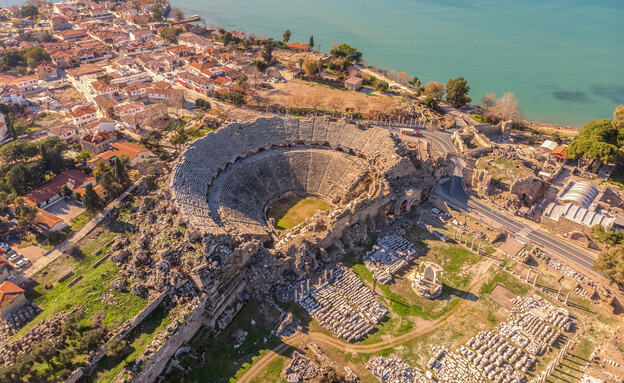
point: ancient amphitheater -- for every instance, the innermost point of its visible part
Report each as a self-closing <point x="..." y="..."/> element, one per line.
<point x="227" y="181"/>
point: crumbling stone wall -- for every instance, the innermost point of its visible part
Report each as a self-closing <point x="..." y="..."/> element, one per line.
<point x="156" y="363"/>
<point x="529" y="190"/>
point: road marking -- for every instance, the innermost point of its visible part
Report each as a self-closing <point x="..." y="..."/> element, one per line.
<point x="525" y="231"/>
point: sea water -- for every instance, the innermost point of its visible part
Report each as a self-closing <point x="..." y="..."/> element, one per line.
<point x="564" y="59"/>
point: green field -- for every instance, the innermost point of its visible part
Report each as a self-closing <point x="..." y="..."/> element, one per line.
<point x="290" y="212"/>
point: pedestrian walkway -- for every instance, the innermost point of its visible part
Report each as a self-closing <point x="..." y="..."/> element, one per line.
<point x="77" y="236"/>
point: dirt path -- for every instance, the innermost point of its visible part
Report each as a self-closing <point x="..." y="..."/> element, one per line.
<point x="327" y="340"/>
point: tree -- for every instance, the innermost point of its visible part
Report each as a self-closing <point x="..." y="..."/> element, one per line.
<point x="347" y="53"/>
<point x="157" y="12"/>
<point x="434" y="90"/>
<point x="44" y="352"/>
<point x="611" y="264"/>
<point x="28" y="10"/>
<point x="267" y="53"/>
<point x="91" y="338"/>
<point x="457" y="92"/>
<point x="599" y="140"/>
<point x="502" y="109"/>
<point x="360" y="105"/>
<point x="169" y="34"/>
<point x="66" y="191"/>
<point x="337" y="104"/>
<point x="200" y="102"/>
<point x="286" y="36"/>
<point x="117" y="348"/>
<point x="25" y="213"/>
<point x="83" y="157"/>
<point x="414" y="82"/>
<point x="241" y="80"/>
<point x="618" y="118"/>
<point x="66" y="357"/>
<point x="311" y="43"/>
<point x="90" y="200"/>
<point x="296" y="101"/>
<point x="311" y="67"/>
<point x="13" y="58"/>
<point x="177" y="13"/>
<point x="227" y="38"/>
<point x="35" y="54"/>
<point x="402" y="78"/>
<point x="315" y="101"/>
<point x="120" y="172"/>
<point x="430" y="102"/>
<point x="18" y="150"/>
<point x="381" y="86"/>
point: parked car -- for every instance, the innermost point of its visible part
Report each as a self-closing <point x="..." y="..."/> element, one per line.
<point x="15" y="257"/>
<point x="5" y="246"/>
<point x="24" y="263"/>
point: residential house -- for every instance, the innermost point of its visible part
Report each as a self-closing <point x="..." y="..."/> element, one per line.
<point x="5" y="268"/>
<point x="106" y="104"/>
<point x="141" y="35"/>
<point x="137" y="90"/>
<point x="353" y="83"/>
<point x="72" y="34"/>
<point x="83" y="114"/>
<point x="133" y="152"/>
<point x="102" y="88"/>
<point x="67" y="133"/>
<point x="158" y="94"/>
<point x="181" y="51"/>
<point x="25" y="83"/>
<point x="560" y="152"/>
<point x="129" y="108"/>
<point x="86" y="70"/>
<point x="47" y="72"/>
<point x="12" y="297"/>
<point x="60" y="23"/>
<point x="150" y="115"/>
<point x="98" y="142"/>
<point x="48" y="221"/>
<point x="50" y="192"/>
<point x="299" y="47"/>
<point x="100" y="125"/>
<point x="198" y="84"/>
<point x="195" y="41"/>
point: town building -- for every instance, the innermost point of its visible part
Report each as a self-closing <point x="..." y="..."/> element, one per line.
<point x="12" y="297"/>
<point x="50" y="192"/>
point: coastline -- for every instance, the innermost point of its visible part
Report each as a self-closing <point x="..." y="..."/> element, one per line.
<point x="548" y="91"/>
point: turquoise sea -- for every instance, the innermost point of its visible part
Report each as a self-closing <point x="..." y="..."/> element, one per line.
<point x="564" y="59"/>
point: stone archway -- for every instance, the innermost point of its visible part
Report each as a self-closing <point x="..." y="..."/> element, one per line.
<point x="404" y="207"/>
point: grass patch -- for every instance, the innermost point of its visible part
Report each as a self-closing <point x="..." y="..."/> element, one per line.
<point x="138" y="340"/>
<point x="272" y="372"/>
<point x="81" y="220"/>
<point x="510" y="283"/>
<point x="498" y="168"/>
<point x="95" y="283"/>
<point x="617" y="177"/>
<point x="290" y="212"/>
<point x="226" y="363"/>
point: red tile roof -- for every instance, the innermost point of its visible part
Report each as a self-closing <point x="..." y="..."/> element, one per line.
<point x="9" y="291"/>
<point x="52" y="188"/>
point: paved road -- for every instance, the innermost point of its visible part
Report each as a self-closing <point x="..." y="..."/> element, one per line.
<point x="453" y="190"/>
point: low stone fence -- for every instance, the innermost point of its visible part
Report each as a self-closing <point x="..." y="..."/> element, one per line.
<point x="98" y="354"/>
<point x="155" y="365"/>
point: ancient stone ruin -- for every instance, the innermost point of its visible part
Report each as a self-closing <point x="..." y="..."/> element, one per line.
<point x="391" y="254"/>
<point x="426" y="280"/>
